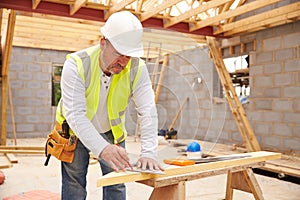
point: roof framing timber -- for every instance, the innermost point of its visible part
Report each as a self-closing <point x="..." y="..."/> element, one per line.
<point x="94" y="13"/>
<point x="232" y="13"/>
<point x="35" y="3"/>
<point x="261" y="20"/>
<point x="195" y="18"/>
<point x="192" y="12"/>
<point x="76" y="6"/>
<point x="117" y="7"/>
<point x="152" y="12"/>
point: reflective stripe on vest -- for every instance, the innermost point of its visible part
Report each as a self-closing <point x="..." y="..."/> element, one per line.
<point x="121" y="88"/>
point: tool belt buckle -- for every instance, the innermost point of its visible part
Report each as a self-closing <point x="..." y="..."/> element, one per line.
<point x="72" y="140"/>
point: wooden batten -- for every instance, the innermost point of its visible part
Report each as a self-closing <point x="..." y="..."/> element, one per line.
<point x="6" y="50"/>
<point x="237" y="109"/>
<point x="173" y="171"/>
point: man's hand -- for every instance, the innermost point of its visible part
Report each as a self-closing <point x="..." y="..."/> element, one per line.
<point x="116" y="157"/>
<point x="148" y="163"/>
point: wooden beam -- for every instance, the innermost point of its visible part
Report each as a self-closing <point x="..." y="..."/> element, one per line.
<point x="11" y="158"/>
<point x="22" y="151"/>
<point x="148" y="4"/>
<point x="174" y="192"/>
<point x="117" y="7"/>
<point x="231" y="13"/>
<point x="256" y="19"/>
<point x="178" y="114"/>
<point x="35" y="4"/>
<point x="161" y="76"/>
<point x="21" y="148"/>
<point x="93" y="12"/>
<point x="1" y="19"/>
<point x="123" y="177"/>
<point x="153" y="11"/>
<point x="6" y="50"/>
<point x="237" y="109"/>
<point x="263" y="19"/>
<point x="245" y="181"/>
<point x="241" y="2"/>
<point x="139" y="5"/>
<point x="4" y="162"/>
<point x="12" y="113"/>
<point x="266" y="24"/>
<point x="161" y="182"/>
<point x="76" y="6"/>
<point x="192" y="12"/>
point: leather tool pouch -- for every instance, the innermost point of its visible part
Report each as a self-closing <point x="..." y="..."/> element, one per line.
<point x="60" y="147"/>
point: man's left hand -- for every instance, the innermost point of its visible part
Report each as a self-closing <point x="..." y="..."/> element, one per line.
<point x="148" y="163"/>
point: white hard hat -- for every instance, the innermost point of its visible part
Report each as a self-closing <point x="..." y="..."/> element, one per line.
<point x="124" y="31"/>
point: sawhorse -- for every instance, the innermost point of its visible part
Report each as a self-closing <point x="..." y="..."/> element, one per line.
<point x="172" y="185"/>
<point x="239" y="178"/>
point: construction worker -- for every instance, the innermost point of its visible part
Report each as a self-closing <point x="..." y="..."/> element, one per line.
<point x="97" y="84"/>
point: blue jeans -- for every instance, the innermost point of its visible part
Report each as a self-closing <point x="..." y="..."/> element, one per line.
<point x="74" y="176"/>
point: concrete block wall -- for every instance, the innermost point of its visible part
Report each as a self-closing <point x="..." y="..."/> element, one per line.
<point x="275" y="88"/>
<point x="30" y="75"/>
<point x="200" y="118"/>
<point x="274" y="109"/>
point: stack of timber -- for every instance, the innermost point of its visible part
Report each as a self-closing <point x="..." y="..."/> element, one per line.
<point x="7" y="153"/>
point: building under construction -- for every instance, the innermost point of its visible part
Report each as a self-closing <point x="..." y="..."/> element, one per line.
<point x="225" y="74"/>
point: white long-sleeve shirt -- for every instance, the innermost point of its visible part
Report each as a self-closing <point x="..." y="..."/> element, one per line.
<point x="74" y="101"/>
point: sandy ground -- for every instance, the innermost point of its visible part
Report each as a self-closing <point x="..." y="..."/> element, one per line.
<point x="31" y="174"/>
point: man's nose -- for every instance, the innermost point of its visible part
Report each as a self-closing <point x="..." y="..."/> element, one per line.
<point x="123" y="60"/>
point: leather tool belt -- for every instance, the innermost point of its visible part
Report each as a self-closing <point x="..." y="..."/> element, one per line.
<point x="60" y="144"/>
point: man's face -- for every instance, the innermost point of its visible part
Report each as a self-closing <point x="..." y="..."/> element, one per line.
<point x="112" y="61"/>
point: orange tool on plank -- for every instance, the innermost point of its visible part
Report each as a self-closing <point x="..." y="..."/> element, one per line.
<point x="179" y="162"/>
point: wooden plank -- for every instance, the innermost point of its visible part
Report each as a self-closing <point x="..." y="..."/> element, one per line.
<point x="265" y="23"/>
<point x="153" y="11"/>
<point x="164" y="181"/>
<point x="229" y="189"/>
<point x="117" y="7"/>
<point x="200" y="9"/>
<point x="178" y="114"/>
<point x="174" y="192"/>
<point x="21" y="148"/>
<point x="284" y="170"/>
<point x="123" y="177"/>
<point x="232" y="13"/>
<point x="26" y="21"/>
<point x="4" y="162"/>
<point x="245" y="181"/>
<point x="237" y="109"/>
<point x="253" y="184"/>
<point x="35" y="4"/>
<point x="6" y="50"/>
<point x="256" y="20"/>
<point x="11" y="106"/>
<point x="161" y="77"/>
<point x="241" y="2"/>
<point x="22" y="151"/>
<point x="76" y="6"/>
<point x="1" y="20"/>
<point x="11" y="158"/>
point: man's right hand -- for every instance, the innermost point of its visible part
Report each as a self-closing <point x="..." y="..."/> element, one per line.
<point x="116" y="157"/>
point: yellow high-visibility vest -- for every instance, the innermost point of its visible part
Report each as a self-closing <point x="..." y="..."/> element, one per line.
<point x="121" y="88"/>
